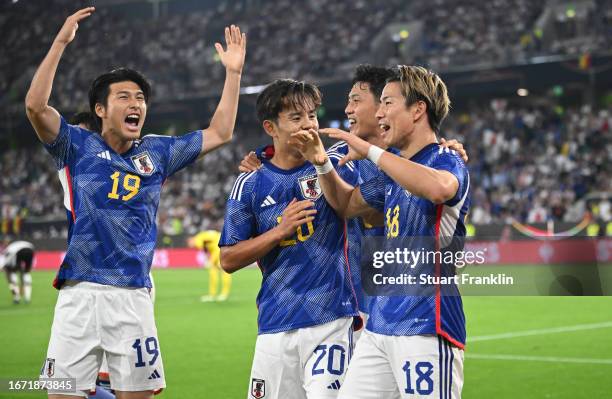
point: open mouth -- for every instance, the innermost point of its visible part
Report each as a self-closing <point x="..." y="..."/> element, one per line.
<point x="132" y="121"/>
<point x="352" y="121"/>
<point x="384" y="127"/>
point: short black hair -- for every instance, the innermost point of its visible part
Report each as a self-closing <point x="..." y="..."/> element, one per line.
<point x="375" y="76"/>
<point x="100" y="87"/>
<point x="86" y="118"/>
<point x="286" y="93"/>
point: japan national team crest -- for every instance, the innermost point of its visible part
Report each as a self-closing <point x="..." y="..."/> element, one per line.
<point x="48" y="368"/>
<point x="143" y="164"/>
<point x="310" y="187"/>
<point x="258" y="388"/>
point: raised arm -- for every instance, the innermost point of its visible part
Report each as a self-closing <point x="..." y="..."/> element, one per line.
<point x="222" y="123"/>
<point x="245" y="252"/>
<point x="44" y="118"/>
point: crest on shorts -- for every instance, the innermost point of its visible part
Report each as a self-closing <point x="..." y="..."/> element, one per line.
<point x="258" y="388"/>
<point x="48" y="367"/>
<point x="143" y="163"/>
<point x="310" y="187"/>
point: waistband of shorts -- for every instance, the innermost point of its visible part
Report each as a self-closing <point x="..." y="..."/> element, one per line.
<point x="78" y="284"/>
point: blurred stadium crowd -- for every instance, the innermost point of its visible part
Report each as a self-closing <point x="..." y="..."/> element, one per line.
<point x="530" y="162"/>
<point x="312" y="40"/>
<point x="535" y="164"/>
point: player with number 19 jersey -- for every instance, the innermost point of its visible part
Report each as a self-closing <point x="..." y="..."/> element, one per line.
<point x="306" y="279"/>
<point x="111" y="202"/>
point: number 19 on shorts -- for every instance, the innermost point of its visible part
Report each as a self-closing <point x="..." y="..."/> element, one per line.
<point x="151" y="348"/>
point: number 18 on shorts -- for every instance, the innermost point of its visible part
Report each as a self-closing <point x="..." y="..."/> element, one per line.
<point x="404" y="367"/>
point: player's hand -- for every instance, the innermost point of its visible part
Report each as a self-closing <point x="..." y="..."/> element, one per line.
<point x="249" y="163"/>
<point x="358" y="148"/>
<point x="457" y="146"/>
<point x="309" y="144"/>
<point x="295" y="215"/>
<point x="233" y="57"/>
<point x="68" y="30"/>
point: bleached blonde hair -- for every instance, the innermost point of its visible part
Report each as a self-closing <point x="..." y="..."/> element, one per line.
<point x="421" y="84"/>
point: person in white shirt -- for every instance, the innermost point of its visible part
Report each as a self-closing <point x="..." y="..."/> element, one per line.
<point x="17" y="260"/>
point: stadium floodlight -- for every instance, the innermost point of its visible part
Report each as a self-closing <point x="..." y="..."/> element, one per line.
<point x="522" y="92"/>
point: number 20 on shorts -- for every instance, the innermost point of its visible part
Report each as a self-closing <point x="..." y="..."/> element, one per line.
<point x="334" y="365"/>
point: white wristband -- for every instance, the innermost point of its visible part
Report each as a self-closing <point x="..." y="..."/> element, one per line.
<point x="374" y="153"/>
<point x="325" y="168"/>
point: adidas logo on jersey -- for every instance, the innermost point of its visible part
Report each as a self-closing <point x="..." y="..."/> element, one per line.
<point x="267" y="202"/>
<point x="334" y="385"/>
<point x="104" y="155"/>
<point x="155" y="375"/>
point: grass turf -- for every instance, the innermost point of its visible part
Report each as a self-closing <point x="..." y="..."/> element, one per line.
<point x="207" y="347"/>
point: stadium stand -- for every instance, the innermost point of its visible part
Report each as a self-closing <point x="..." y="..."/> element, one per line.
<point x="326" y="40"/>
<point x="533" y="161"/>
<point x="534" y="164"/>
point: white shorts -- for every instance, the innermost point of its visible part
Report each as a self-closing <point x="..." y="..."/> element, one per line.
<point x="393" y="367"/>
<point x="309" y="362"/>
<point x="92" y="320"/>
<point x="104" y="366"/>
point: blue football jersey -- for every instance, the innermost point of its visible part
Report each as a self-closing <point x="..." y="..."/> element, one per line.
<point x="418" y="217"/>
<point x="111" y="202"/>
<point x="305" y="279"/>
<point x="363" y="170"/>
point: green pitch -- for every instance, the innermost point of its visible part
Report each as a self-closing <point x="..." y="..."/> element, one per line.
<point x="207" y="347"/>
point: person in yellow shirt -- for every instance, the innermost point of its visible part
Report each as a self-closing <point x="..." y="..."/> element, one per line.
<point x="208" y="241"/>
